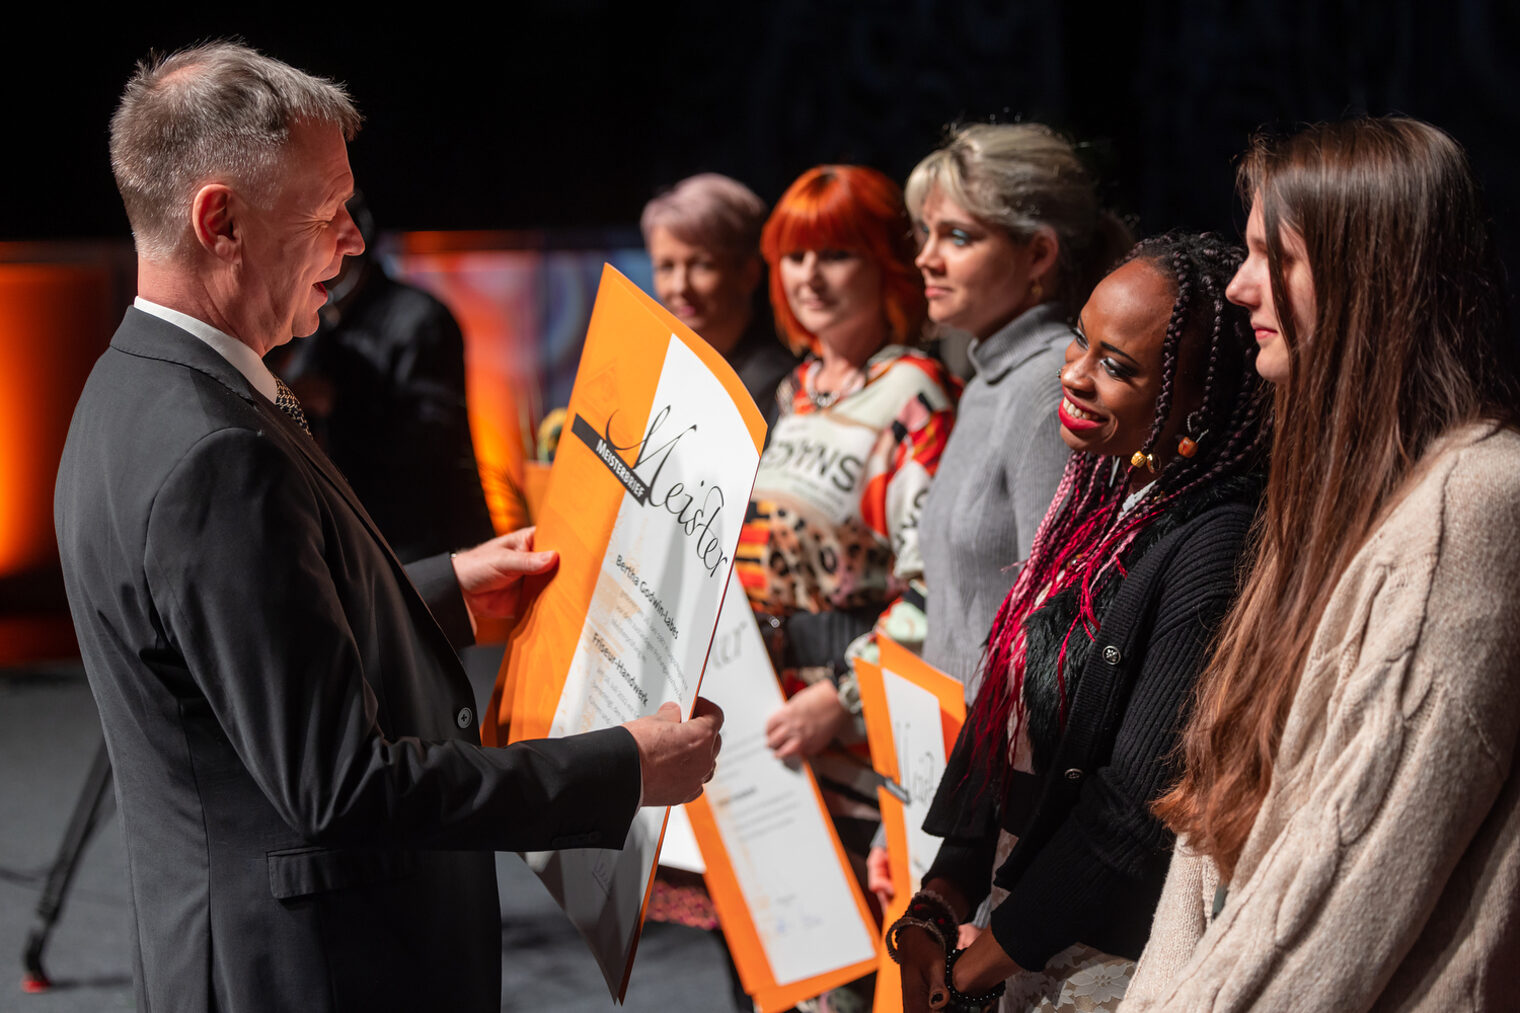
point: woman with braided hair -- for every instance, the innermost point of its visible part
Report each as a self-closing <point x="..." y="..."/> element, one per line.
<point x="1093" y="655"/>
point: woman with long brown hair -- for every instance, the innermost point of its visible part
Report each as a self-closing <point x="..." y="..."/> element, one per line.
<point x="1350" y="830"/>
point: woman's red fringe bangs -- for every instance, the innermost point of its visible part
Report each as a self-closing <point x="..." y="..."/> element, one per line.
<point x="822" y="218"/>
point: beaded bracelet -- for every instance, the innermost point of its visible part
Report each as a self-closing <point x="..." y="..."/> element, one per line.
<point x="960" y="1002"/>
<point x="905" y="922"/>
<point x="928" y="904"/>
<point x="930" y="912"/>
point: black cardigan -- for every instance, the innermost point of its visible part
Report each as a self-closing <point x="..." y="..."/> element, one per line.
<point x="1091" y="858"/>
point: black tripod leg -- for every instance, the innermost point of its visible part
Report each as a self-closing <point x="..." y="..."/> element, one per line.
<point x="81" y="825"/>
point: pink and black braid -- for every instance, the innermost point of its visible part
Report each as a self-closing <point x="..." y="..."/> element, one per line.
<point x="1232" y="402"/>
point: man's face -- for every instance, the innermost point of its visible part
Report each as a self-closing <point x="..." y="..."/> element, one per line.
<point x="296" y="238"/>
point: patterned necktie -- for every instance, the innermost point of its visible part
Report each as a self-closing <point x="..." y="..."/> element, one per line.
<point x="286" y="401"/>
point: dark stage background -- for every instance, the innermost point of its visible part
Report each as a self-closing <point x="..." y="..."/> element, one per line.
<point x="568" y="115"/>
<point x="542" y="128"/>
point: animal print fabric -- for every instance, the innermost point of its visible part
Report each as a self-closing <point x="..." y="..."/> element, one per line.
<point x="833" y="520"/>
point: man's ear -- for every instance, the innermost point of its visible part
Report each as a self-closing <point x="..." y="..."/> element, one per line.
<point x="213" y="219"/>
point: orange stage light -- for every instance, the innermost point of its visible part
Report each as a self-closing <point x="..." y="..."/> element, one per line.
<point x="53" y="325"/>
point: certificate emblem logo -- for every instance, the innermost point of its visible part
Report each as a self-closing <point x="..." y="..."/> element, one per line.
<point x="695" y="509"/>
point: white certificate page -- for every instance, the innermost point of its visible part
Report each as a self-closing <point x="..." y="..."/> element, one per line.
<point x="918" y="733"/>
<point x="774" y="828"/>
<point x="687" y="477"/>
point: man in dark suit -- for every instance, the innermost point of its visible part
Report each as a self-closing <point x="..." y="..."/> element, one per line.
<point x="307" y="809"/>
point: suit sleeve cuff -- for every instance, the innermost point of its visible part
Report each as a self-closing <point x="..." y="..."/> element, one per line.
<point x="614" y="772"/>
<point x="435" y="580"/>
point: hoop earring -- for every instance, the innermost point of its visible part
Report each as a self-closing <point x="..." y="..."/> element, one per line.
<point x="1188" y="445"/>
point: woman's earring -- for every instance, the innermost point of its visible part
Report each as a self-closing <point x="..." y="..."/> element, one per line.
<point x="1036" y="292"/>
<point x="1143" y="460"/>
<point x="1188" y="445"/>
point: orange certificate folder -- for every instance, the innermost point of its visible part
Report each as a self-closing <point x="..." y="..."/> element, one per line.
<point x="795" y="918"/>
<point x="644" y="504"/>
<point x="913" y="713"/>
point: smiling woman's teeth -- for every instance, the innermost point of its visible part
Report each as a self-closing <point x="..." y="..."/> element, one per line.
<point x="1076" y="412"/>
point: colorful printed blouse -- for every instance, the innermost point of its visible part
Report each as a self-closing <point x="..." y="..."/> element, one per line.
<point x="833" y="520"/>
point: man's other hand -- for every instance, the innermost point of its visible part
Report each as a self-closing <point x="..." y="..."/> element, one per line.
<point x="490" y="575"/>
<point x="677" y="757"/>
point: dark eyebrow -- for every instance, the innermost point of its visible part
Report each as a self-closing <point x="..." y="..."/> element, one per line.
<point x="1118" y="351"/>
<point x="1079" y="328"/>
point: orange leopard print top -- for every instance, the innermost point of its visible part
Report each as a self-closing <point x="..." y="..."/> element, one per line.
<point x="833" y="520"/>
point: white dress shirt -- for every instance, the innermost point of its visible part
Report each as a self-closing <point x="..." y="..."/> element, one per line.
<point x="244" y="359"/>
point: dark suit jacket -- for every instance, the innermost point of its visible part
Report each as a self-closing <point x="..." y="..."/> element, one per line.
<point x="308" y="813"/>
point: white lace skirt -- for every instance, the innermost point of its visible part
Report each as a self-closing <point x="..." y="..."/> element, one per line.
<point x="1079" y="979"/>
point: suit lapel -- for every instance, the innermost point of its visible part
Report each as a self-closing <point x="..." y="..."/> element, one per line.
<point x="304" y="446"/>
<point x="146" y="335"/>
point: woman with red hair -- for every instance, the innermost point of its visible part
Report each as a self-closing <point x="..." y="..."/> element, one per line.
<point x="831" y="538"/>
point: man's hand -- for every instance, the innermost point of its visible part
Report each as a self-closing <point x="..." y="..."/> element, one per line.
<point x="807" y="722"/>
<point x="677" y="757"/>
<point x="490" y="575"/>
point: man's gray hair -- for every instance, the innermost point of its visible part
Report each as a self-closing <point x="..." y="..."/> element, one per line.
<point x="215" y="112"/>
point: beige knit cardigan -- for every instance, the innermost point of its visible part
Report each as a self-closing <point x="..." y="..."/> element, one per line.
<point x="1383" y="871"/>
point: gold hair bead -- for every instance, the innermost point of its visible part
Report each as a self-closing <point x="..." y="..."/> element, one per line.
<point x="1143" y="460"/>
